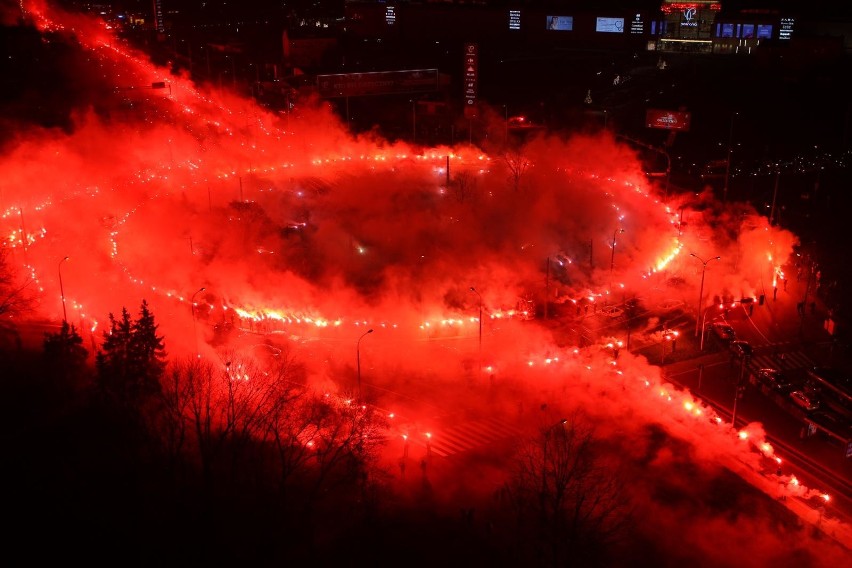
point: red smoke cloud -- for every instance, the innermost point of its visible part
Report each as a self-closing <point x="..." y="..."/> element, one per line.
<point x="292" y="225"/>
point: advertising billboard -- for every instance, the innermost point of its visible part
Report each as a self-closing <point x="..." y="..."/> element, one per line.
<point x="514" y="19"/>
<point x="471" y="72"/>
<point x="377" y="83"/>
<point x="667" y="119"/>
<point x="609" y="25"/>
<point x="560" y="23"/>
<point x="786" y="28"/>
<point x="637" y="25"/>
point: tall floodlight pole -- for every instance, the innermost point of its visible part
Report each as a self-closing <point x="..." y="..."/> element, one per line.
<point x="612" y="257"/>
<point x="472" y="289"/>
<point x="192" y="311"/>
<point x="413" y="121"/>
<point x="698" y="317"/>
<point x="358" y="359"/>
<point x="774" y="195"/>
<point x="728" y="161"/>
<point x="62" y="291"/>
<point x="506" y="123"/>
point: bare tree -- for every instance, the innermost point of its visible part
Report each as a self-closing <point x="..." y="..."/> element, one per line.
<point x="16" y="296"/>
<point x="463" y="185"/>
<point x="518" y="165"/>
<point x="172" y="423"/>
<point x="563" y="494"/>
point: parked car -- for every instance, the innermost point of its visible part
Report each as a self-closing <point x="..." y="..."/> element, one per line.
<point x="774" y="379"/>
<point x="670" y="305"/>
<point x="740" y="348"/>
<point x="724" y="331"/>
<point x="803" y="401"/>
<point x="612" y="311"/>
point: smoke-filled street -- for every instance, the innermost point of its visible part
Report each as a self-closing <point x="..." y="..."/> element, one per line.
<point x="449" y="289"/>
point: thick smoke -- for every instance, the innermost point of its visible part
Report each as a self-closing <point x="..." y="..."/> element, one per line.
<point x="295" y="228"/>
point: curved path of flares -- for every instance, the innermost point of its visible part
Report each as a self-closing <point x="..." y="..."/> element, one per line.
<point x="265" y="165"/>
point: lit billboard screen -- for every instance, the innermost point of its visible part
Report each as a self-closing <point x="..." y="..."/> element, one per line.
<point x="377" y="83"/>
<point x="667" y="119"/>
<point x="637" y="26"/>
<point x="514" y="19"/>
<point x="764" y="31"/>
<point x="786" y="29"/>
<point x="560" y="23"/>
<point x="610" y="25"/>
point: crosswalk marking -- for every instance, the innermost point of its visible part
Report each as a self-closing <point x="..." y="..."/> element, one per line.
<point x="790" y="361"/>
<point x="467" y="436"/>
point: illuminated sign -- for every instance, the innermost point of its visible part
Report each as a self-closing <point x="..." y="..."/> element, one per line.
<point x="637" y="26"/>
<point x="560" y="23"/>
<point x="764" y="31"/>
<point x="158" y="16"/>
<point x="378" y="83"/>
<point x="785" y="31"/>
<point x="390" y="15"/>
<point x="610" y="25"/>
<point x="471" y="77"/>
<point x="671" y="7"/>
<point x="514" y="19"/>
<point x="667" y="119"/>
<point x="689" y="18"/>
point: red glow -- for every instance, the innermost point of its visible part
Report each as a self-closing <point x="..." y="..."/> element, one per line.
<point x="302" y="233"/>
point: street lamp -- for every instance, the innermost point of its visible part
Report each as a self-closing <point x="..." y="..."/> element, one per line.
<point x="472" y="289"/>
<point x="62" y="291"/>
<point x="680" y="223"/>
<point x="701" y="290"/>
<point x="703" y="329"/>
<point x="728" y="161"/>
<point x="738" y="391"/>
<point x="358" y="359"/>
<point x="413" y="121"/>
<point x="192" y="311"/>
<point x="612" y="257"/>
<point x="506" y="126"/>
<point x="552" y="427"/>
<point x="545" y="445"/>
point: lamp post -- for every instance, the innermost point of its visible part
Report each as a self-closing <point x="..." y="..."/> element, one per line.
<point x="738" y="391"/>
<point x="703" y="330"/>
<point x="701" y="289"/>
<point x="62" y="291"/>
<point x="728" y="161"/>
<point x="680" y="223"/>
<point x="358" y="359"/>
<point x="413" y="121"/>
<point x="472" y="289"/>
<point x="192" y="311"/>
<point x="774" y="195"/>
<point x="546" y="443"/>
<point x="612" y="257"/>
<point x="506" y="124"/>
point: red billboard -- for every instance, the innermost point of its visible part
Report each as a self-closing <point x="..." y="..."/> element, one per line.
<point x="667" y="119"/>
